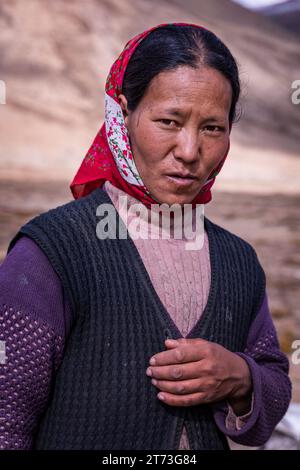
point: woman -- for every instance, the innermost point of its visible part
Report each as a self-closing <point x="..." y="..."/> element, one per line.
<point x="119" y="344"/>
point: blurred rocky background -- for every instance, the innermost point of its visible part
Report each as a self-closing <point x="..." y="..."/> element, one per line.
<point x="54" y="59"/>
<point x="286" y="14"/>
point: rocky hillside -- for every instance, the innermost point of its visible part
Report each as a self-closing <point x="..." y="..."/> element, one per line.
<point x="55" y="57"/>
<point x="286" y="14"/>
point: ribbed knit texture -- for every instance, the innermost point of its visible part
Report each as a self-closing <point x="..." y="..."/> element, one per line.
<point x="102" y="398"/>
<point x="180" y="277"/>
<point x="35" y="350"/>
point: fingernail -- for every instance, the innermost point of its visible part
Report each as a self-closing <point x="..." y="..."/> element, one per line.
<point x="161" y="396"/>
<point x="149" y="372"/>
<point x="154" y="381"/>
<point x="152" y="361"/>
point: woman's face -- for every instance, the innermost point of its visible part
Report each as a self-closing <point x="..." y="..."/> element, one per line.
<point x="181" y="126"/>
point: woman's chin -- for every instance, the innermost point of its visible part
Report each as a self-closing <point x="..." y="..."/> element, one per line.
<point x="171" y="199"/>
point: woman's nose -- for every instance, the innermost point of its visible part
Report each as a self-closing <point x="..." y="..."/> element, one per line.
<point x="188" y="147"/>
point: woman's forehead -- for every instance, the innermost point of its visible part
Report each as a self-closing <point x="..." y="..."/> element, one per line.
<point x="177" y="91"/>
<point x="174" y="88"/>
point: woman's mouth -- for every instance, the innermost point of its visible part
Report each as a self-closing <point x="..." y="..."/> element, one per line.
<point x="179" y="180"/>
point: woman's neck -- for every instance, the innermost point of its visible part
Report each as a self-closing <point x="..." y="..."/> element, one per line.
<point x="184" y="223"/>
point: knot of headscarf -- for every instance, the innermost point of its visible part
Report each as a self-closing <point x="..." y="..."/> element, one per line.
<point x="110" y="156"/>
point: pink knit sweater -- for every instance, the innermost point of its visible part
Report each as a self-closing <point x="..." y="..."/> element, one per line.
<point x="180" y="277"/>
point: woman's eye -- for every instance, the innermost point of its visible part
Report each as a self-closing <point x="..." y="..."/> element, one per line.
<point x="167" y="122"/>
<point x="214" y="128"/>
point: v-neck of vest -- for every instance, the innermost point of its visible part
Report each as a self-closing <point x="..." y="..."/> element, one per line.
<point x="171" y="329"/>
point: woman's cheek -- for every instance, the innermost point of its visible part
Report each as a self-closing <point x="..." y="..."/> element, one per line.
<point x="217" y="151"/>
<point x="155" y="148"/>
<point x="148" y="143"/>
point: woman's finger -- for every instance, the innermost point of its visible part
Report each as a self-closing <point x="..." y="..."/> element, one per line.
<point x="183" y="400"/>
<point x="181" y="387"/>
<point x="191" y="370"/>
<point x="186" y="350"/>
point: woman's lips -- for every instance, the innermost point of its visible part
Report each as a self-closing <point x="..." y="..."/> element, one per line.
<point x="181" y="181"/>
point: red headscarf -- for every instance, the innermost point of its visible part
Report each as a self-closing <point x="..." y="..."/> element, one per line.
<point x="110" y="157"/>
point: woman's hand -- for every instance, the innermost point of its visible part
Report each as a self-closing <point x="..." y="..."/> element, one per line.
<point x="195" y="371"/>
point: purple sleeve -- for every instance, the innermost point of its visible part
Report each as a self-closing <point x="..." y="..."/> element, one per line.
<point x="34" y="322"/>
<point x="235" y="422"/>
<point x="269" y="369"/>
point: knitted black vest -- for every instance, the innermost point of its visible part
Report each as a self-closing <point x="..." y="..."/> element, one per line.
<point x="101" y="397"/>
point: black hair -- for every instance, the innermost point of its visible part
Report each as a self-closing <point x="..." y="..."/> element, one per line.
<point x="168" y="47"/>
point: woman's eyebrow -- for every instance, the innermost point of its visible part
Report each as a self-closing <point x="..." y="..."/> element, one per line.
<point x="214" y="119"/>
<point x="177" y="112"/>
<point x="174" y="111"/>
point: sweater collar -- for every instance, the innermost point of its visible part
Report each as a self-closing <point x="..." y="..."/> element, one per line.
<point x="134" y="213"/>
